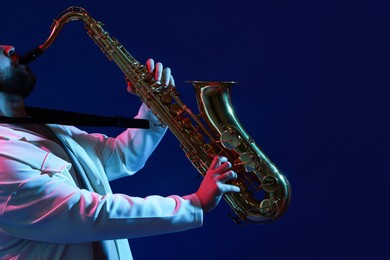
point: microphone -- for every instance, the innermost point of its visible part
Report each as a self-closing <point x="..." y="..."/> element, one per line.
<point x="30" y="56"/>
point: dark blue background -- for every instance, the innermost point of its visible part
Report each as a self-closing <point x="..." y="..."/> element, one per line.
<point x="313" y="94"/>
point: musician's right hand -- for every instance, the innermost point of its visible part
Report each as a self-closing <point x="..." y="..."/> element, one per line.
<point x="214" y="183"/>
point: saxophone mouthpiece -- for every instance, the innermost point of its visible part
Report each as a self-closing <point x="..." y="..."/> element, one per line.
<point x="30" y="56"/>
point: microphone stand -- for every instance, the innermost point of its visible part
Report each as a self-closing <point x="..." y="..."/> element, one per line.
<point x="51" y="116"/>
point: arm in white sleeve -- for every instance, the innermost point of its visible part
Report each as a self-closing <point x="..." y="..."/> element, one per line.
<point x="128" y="152"/>
<point x="48" y="207"/>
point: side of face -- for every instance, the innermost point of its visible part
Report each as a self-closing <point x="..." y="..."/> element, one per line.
<point x="15" y="78"/>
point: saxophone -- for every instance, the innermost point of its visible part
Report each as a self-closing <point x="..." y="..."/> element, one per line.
<point x="265" y="192"/>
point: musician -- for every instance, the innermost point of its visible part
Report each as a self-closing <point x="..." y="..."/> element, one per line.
<point x="55" y="198"/>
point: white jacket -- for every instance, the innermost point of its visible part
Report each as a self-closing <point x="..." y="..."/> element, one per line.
<point x="45" y="215"/>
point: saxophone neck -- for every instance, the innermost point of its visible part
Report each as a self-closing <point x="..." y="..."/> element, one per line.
<point x="71" y="14"/>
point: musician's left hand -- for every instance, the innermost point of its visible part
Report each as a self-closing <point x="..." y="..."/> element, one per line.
<point x="158" y="73"/>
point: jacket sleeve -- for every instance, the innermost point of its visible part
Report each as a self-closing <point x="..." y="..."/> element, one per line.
<point x="128" y="152"/>
<point x="44" y="205"/>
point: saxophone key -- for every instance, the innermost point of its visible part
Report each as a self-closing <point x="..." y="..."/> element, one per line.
<point x="209" y="150"/>
<point x="269" y="183"/>
<point x="248" y="162"/>
<point x="186" y="123"/>
<point x="176" y="110"/>
<point x="229" y="140"/>
<point x="268" y="208"/>
<point x="165" y="98"/>
<point x="197" y="139"/>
